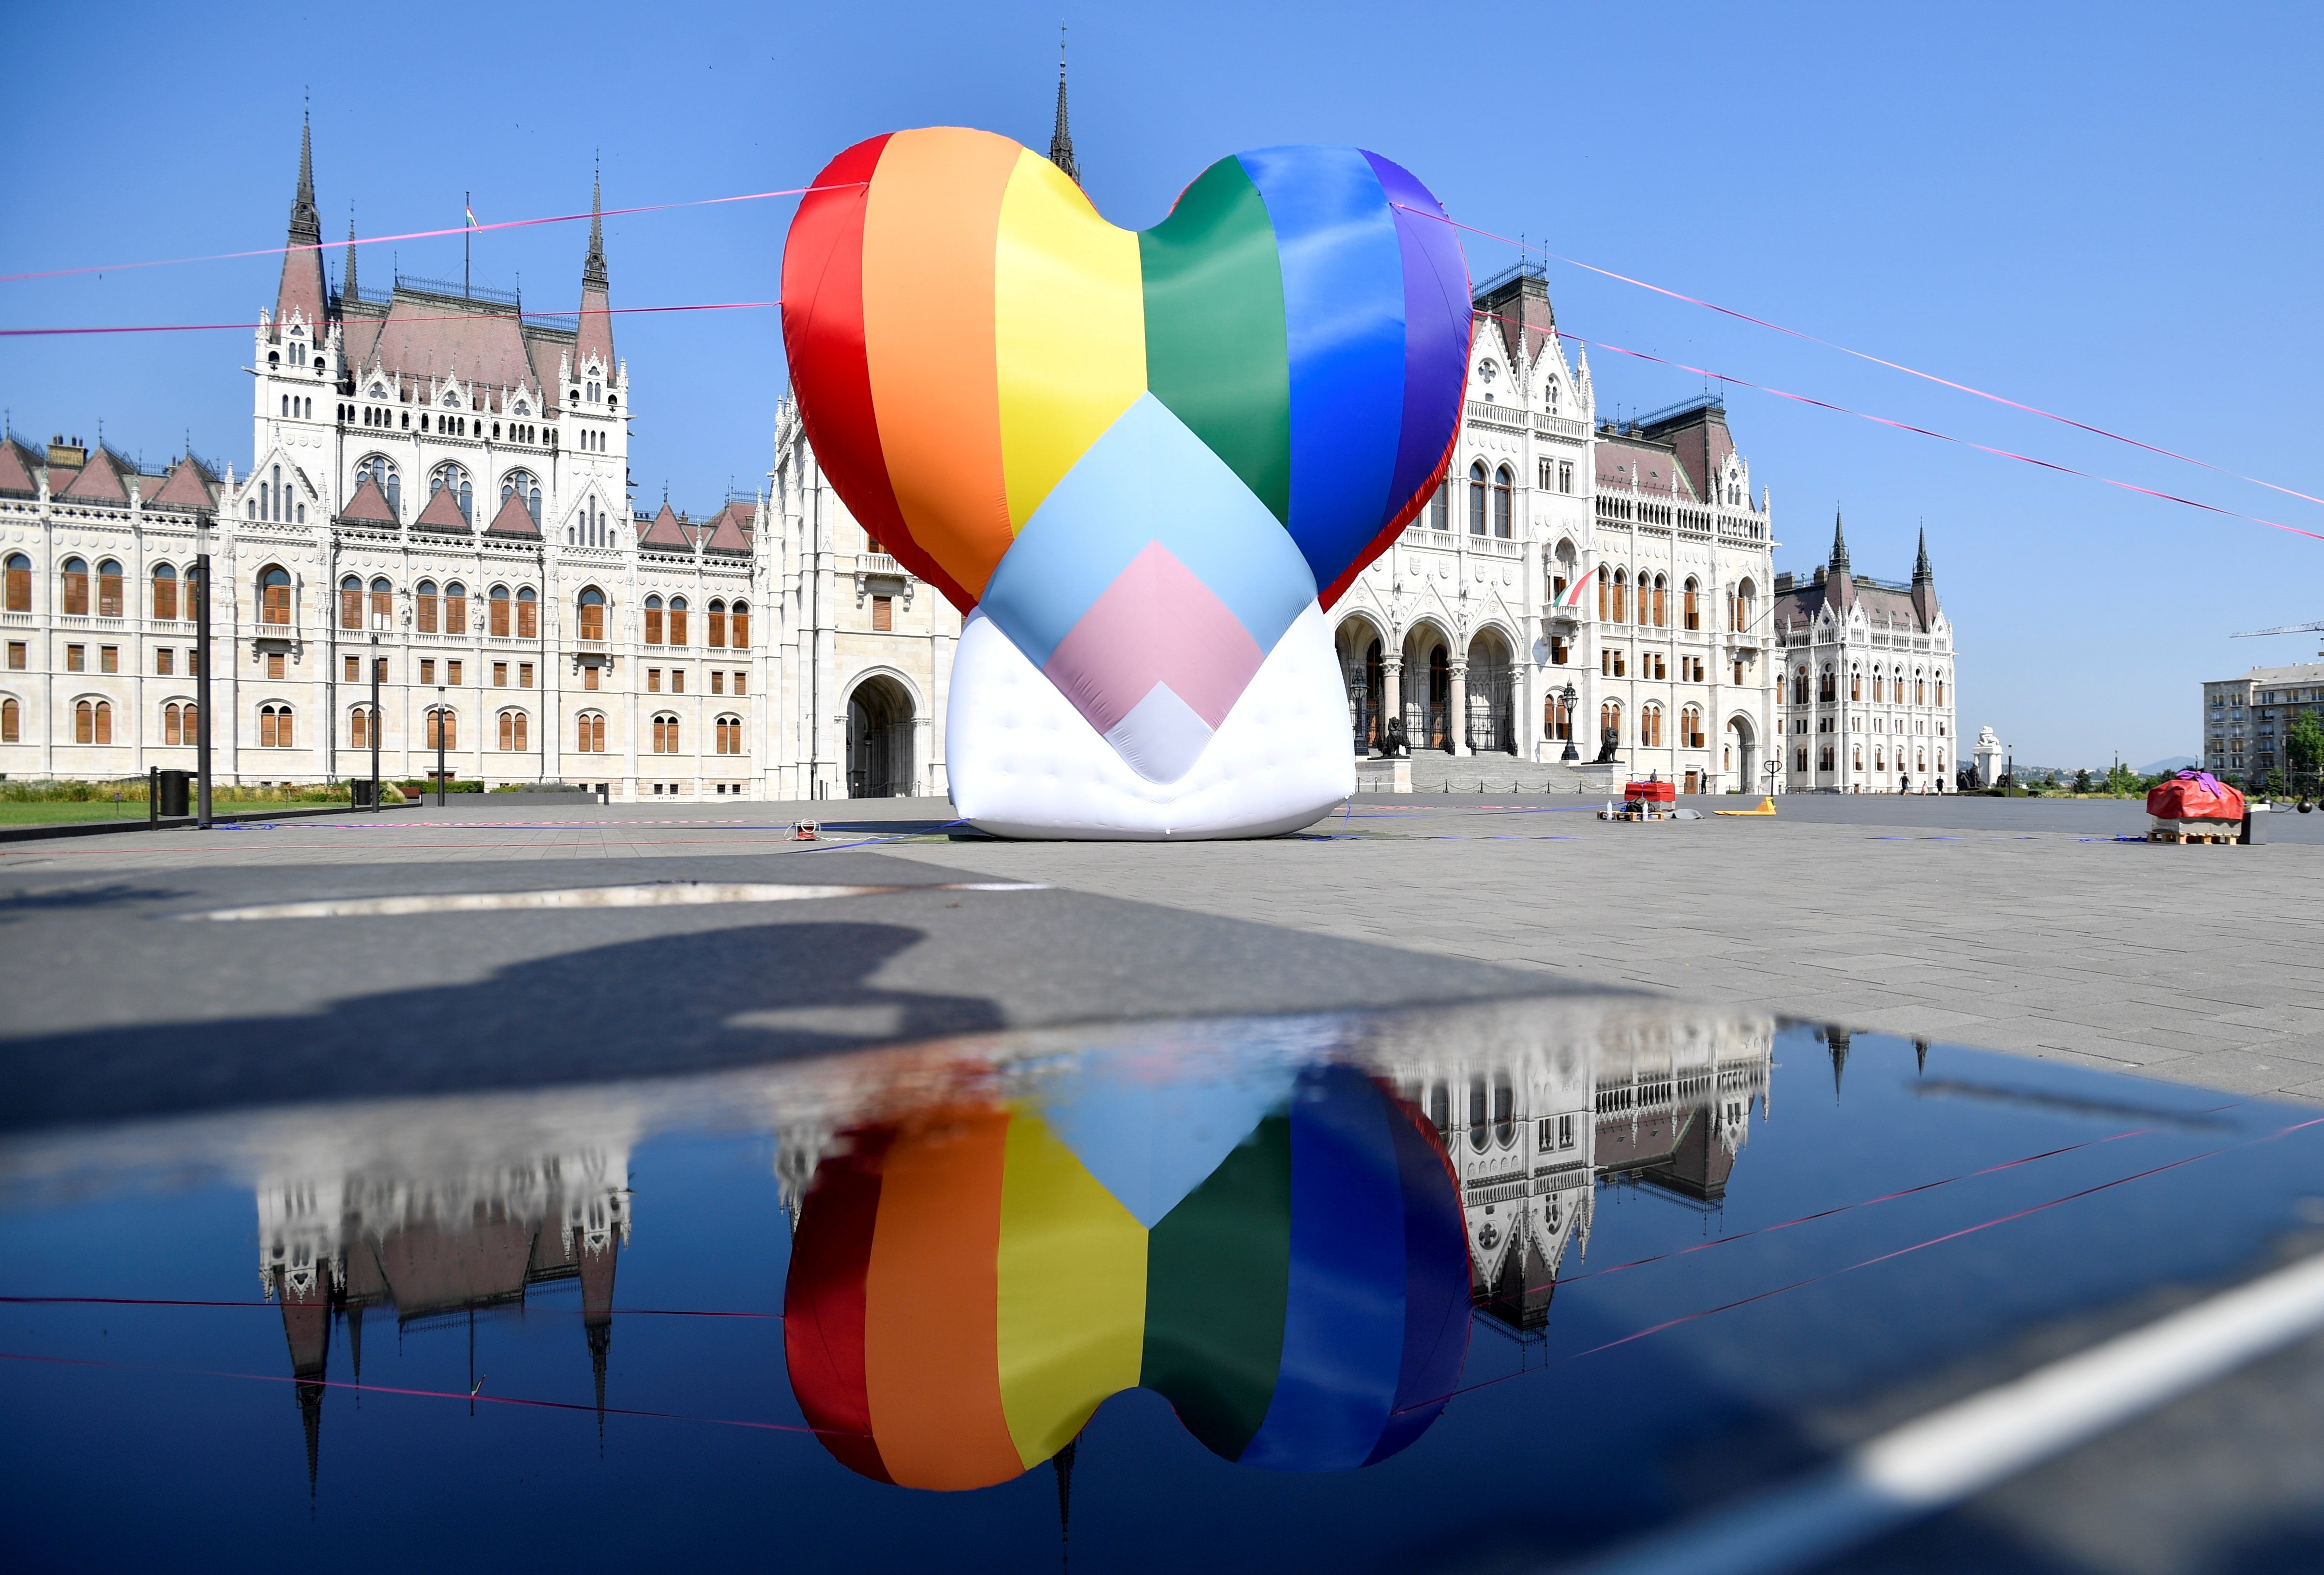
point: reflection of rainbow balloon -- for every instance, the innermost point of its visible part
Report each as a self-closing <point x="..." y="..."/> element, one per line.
<point x="1141" y="455"/>
<point x="963" y="1292"/>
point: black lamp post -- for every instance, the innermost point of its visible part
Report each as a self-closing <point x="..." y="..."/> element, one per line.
<point x="440" y="783"/>
<point x="374" y="724"/>
<point x="202" y="685"/>
<point x="1571" y="698"/>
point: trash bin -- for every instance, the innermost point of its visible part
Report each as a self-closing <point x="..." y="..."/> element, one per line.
<point x="2254" y="833"/>
<point x="360" y="789"/>
<point x="175" y="787"/>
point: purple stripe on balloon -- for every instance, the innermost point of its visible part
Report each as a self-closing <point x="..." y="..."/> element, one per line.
<point x="1156" y="624"/>
<point x="1435" y="331"/>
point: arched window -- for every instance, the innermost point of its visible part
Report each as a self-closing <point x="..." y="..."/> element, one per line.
<point x="528" y="612"/>
<point x="383" y="603"/>
<point x="20" y="583"/>
<point x="500" y="611"/>
<point x="104" y="722"/>
<point x="1800" y="688"/>
<point x="1856" y="685"/>
<point x="165" y="592"/>
<point x="443" y="727"/>
<point x="275" y="594"/>
<point x="665" y="734"/>
<point x="1691" y="609"/>
<point x="1609" y="719"/>
<point x="1477" y="499"/>
<point x="589" y="732"/>
<point x="592" y="606"/>
<point x="450" y="475"/>
<point x="1549" y="396"/>
<point x="76" y="586"/>
<point x="1742" y="612"/>
<point x="740" y="626"/>
<point x="1605" y="591"/>
<point x="1941" y="688"/>
<point x="351" y="602"/>
<point x="1689" y="728"/>
<point x="1440" y="508"/>
<point x="1505" y="1100"/>
<point x="1920" y="690"/>
<point x="1557" y="717"/>
<point x="1621" y="595"/>
<point x="514" y="724"/>
<point x="455" y="608"/>
<point x="1661" y="603"/>
<point x="677" y="621"/>
<point x="423" y="602"/>
<point x="1504" y="506"/>
<point x="653" y="619"/>
<point x="109" y="589"/>
<point x="380" y="468"/>
<point x="1878" y="683"/>
<point x="1828" y="687"/>
<point x="274" y="727"/>
<point x="359" y="728"/>
<point x="730" y="735"/>
<point x="173" y="725"/>
<point x="527" y="485"/>
<point x="1650" y="726"/>
<point x="717" y="637"/>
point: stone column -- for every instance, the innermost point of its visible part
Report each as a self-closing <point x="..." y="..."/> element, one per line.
<point x="1391" y="696"/>
<point x="1456" y="706"/>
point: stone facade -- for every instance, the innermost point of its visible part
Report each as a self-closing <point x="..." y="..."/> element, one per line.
<point x="2244" y="719"/>
<point x="1565" y="552"/>
<point x="1867" y="696"/>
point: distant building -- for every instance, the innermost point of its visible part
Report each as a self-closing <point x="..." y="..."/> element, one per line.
<point x="1868" y="680"/>
<point x="2244" y="719"/>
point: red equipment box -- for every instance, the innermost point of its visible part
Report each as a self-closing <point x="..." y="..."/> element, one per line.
<point x="2194" y="795"/>
<point x="1651" y="792"/>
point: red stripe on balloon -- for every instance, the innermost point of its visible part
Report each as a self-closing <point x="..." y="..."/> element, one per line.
<point x="831" y="369"/>
<point x="825" y="1301"/>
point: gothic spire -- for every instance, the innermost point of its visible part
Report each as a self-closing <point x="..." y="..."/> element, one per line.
<point x="302" y="256"/>
<point x="593" y="269"/>
<point x="1922" y="573"/>
<point x="1061" y="141"/>
<point x="306" y="224"/>
<point x="348" y="284"/>
<point x="1838" y="544"/>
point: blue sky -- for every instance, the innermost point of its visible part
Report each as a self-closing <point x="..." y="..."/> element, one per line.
<point x="2108" y="211"/>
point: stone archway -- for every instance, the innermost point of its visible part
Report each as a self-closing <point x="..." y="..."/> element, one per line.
<point x="1362" y="668"/>
<point x="1742" y="750"/>
<point x="1492" y="700"/>
<point x="1428" y="687"/>
<point x="879" y="763"/>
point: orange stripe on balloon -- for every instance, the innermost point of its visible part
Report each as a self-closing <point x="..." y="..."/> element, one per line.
<point x="930" y="227"/>
<point x="931" y="1352"/>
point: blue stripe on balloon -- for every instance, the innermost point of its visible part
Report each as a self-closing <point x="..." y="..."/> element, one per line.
<point x="1436" y="319"/>
<point x="1436" y="1286"/>
<point x="1344" y="1316"/>
<point x="1344" y="303"/>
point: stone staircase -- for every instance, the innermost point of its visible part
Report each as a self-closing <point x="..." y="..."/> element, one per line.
<point x="1432" y="771"/>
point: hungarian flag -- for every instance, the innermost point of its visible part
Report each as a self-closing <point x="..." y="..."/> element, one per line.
<point x="471" y="213"/>
<point x="1573" y="596"/>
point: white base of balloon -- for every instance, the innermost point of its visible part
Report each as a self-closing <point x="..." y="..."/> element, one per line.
<point x="1024" y="763"/>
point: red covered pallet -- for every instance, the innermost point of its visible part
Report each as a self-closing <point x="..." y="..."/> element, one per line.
<point x="2194" y="795"/>
<point x="1651" y="792"/>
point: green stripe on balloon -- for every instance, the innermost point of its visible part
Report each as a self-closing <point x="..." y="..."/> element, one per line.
<point x="1217" y="1278"/>
<point x="1217" y="351"/>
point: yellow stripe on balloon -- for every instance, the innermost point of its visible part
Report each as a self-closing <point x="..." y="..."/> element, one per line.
<point x="1069" y="328"/>
<point x="1071" y="1315"/>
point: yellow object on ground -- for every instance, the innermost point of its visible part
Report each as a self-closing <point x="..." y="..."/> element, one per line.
<point x="1766" y="807"/>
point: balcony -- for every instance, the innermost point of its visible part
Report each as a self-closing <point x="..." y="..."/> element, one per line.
<point x="878" y="563"/>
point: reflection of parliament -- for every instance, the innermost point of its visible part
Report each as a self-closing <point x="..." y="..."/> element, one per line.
<point x="440" y="492"/>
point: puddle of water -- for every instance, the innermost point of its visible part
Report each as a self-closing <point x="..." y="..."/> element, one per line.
<point x="1394" y="1291"/>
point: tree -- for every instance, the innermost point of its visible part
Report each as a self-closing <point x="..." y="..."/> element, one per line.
<point x="2081" y="781"/>
<point x="2303" y="742"/>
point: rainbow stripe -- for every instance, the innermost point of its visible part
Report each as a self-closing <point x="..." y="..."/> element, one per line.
<point x="1109" y="439"/>
<point x="964" y="1291"/>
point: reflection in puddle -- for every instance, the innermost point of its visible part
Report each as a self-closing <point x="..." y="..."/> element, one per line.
<point x="1227" y="1262"/>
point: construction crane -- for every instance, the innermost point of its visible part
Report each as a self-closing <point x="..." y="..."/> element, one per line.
<point x="2287" y="629"/>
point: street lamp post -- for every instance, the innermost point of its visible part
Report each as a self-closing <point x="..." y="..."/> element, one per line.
<point x="202" y="687"/>
<point x="439" y="746"/>
<point x="1570" y="698"/>
<point x="375" y="724"/>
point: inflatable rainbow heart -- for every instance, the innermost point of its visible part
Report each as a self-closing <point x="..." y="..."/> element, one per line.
<point x="966" y="1290"/>
<point x="1142" y="462"/>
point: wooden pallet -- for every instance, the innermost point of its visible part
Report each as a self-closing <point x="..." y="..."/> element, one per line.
<point x="2217" y="839"/>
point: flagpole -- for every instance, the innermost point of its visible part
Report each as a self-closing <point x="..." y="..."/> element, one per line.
<point x="467" y="223"/>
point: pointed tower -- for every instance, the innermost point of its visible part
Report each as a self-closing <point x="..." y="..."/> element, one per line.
<point x="1924" y="585"/>
<point x="1837" y="1041"/>
<point x="302" y="262"/>
<point x="1839" y="584"/>
<point x="347" y="290"/>
<point x="1061" y="140"/>
<point x="596" y="327"/>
